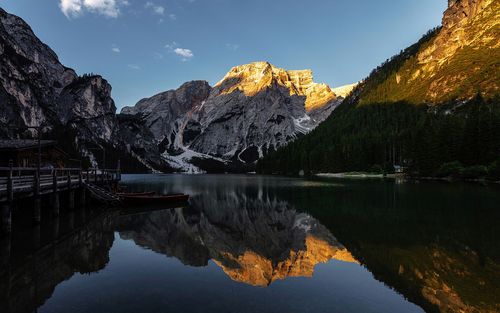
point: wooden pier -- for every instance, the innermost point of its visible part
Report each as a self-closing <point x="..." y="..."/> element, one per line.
<point x="31" y="185"/>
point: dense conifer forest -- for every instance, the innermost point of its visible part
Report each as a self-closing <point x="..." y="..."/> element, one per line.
<point x="449" y="140"/>
<point x="453" y="139"/>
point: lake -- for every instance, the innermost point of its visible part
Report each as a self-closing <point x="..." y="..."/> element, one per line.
<point x="249" y="243"/>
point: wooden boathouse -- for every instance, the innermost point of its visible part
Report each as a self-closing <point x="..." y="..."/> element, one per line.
<point x="26" y="187"/>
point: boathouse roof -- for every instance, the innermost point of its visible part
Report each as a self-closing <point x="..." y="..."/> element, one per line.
<point x="24" y="144"/>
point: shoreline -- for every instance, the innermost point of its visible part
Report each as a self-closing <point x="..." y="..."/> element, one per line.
<point x="360" y="175"/>
<point x="356" y="175"/>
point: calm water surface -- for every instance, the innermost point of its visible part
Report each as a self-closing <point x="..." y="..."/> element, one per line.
<point x="265" y="244"/>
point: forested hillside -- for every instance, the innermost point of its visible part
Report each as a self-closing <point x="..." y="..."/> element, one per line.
<point x="375" y="137"/>
<point x="433" y="109"/>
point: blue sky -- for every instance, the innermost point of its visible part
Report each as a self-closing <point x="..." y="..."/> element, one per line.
<point x="145" y="47"/>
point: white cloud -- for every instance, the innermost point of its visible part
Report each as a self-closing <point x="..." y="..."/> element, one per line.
<point x="171" y="46"/>
<point x="186" y="54"/>
<point x="158" y="55"/>
<point x="232" y="46"/>
<point x="71" y="7"/>
<point x="173" y="17"/>
<point x="157" y="9"/>
<point x="115" y="49"/>
<point x="134" y="67"/>
<point x="109" y="8"/>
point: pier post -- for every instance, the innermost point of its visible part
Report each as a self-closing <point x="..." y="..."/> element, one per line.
<point x="7" y="207"/>
<point x="83" y="215"/>
<point x="7" y="217"/>
<point x="71" y="194"/>
<point x="119" y="171"/>
<point x="37" y="212"/>
<point x="71" y="199"/>
<point x="81" y="189"/>
<point x="83" y="198"/>
<point x="5" y="250"/>
<point x="68" y="179"/>
<point x="71" y="220"/>
<point x="37" y="235"/>
<point x="10" y="184"/>
<point x="55" y="228"/>
<point x="55" y="195"/>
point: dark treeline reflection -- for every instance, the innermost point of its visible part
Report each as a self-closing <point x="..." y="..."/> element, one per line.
<point x="35" y="261"/>
<point x="434" y="243"/>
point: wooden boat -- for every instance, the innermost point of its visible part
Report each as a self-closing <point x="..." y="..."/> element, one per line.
<point x="144" y="209"/>
<point x="124" y="194"/>
<point x="154" y="199"/>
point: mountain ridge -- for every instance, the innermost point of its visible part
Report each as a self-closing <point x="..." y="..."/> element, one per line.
<point x="433" y="109"/>
<point x="37" y="90"/>
<point x="458" y="61"/>
<point x="254" y="109"/>
<point x="252" y="78"/>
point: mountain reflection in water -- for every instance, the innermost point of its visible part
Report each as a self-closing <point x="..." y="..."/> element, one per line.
<point x="435" y="244"/>
<point x="255" y="241"/>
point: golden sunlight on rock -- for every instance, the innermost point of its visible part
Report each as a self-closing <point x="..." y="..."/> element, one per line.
<point x="255" y="77"/>
<point x="344" y="91"/>
<point x="454" y="62"/>
<point x="256" y="270"/>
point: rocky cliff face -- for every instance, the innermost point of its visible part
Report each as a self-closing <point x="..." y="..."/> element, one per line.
<point x="253" y="78"/>
<point x="254" y="109"/>
<point x="459" y="61"/>
<point x="163" y="110"/>
<point x="86" y="105"/>
<point x="447" y="76"/>
<point x="37" y="90"/>
<point x="257" y="108"/>
<point x="31" y="76"/>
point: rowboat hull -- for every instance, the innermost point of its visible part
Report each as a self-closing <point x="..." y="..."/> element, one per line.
<point x="133" y="194"/>
<point x="152" y="199"/>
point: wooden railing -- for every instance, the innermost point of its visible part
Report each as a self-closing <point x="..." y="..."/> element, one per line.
<point x="34" y="181"/>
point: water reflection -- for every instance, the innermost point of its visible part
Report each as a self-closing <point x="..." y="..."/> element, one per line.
<point x="254" y="241"/>
<point x="36" y="261"/>
<point x="435" y="244"/>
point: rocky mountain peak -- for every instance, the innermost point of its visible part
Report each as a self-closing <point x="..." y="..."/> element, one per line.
<point x="454" y="62"/>
<point x="36" y="89"/>
<point x="176" y="101"/>
<point x="467" y="24"/>
<point x="463" y="25"/>
<point x="344" y="91"/>
<point x="87" y="104"/>
<point x="255" y="77"/>
<point x="461" y="11"/>
<point x="255" y="109"/>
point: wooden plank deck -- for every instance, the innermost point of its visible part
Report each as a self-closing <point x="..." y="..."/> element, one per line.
<point x="23" y="182"/>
